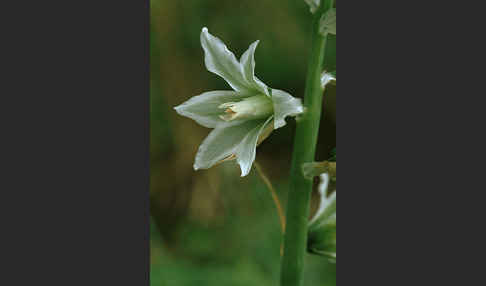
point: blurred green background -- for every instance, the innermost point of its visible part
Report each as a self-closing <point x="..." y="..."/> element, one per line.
<point x="212" y="227"/>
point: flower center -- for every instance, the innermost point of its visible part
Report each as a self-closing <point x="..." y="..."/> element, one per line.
<point x="253" y="107"/>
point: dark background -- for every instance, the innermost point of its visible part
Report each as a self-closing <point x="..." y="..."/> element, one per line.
<point x="74" y="147"/>
<point x="212" y="227"/>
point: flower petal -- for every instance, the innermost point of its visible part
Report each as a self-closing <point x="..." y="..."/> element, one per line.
<point x="267" y="130"/>
<point x="221" y="61"/>
<point x="204" y="108"/>
<point x="327" y="205"/>
<point x="326" y="78"/>
<point x="246" y="151"/>
<point x="226" y="140"/>
<point x="221" y="143"/>
<point x="248" y="63"/>
<point x="284" y="105"/>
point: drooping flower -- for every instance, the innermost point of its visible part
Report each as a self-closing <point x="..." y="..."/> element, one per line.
<point x="322" y="227"/>
<point x="241" y="118"/>
<point x="321" y="237"/>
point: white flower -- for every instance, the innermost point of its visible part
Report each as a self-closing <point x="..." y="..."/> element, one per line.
<point x="326" y="78"/>
<point x="322" y="227"/>
<point x="241" y="118"/>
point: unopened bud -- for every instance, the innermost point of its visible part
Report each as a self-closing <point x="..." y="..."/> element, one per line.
<point x="322" y="227"/>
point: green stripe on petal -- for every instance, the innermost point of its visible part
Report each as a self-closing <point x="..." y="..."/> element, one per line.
<point x="248" y="63"/>
<point x="204" y="108"/>
<point x="227" y="140"/>
<point x="221" y="61"/>
<point x="285" y="105"/>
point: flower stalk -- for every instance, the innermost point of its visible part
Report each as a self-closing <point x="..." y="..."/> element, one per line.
<point x="295" y="242"/>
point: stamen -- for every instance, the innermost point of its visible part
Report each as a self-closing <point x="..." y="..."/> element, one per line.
<point x="230" y="114"/>
<point x="226" y="105"/>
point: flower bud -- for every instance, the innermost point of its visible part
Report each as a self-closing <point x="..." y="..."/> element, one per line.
<point x="322" y="227"/>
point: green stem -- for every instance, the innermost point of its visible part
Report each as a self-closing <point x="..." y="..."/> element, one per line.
<point x="295" y="242"/>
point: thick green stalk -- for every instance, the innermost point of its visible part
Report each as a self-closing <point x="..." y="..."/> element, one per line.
<point x="295" y="242"/>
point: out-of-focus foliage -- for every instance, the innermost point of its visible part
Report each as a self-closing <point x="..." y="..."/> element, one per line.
<point x="212" y="227"/>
